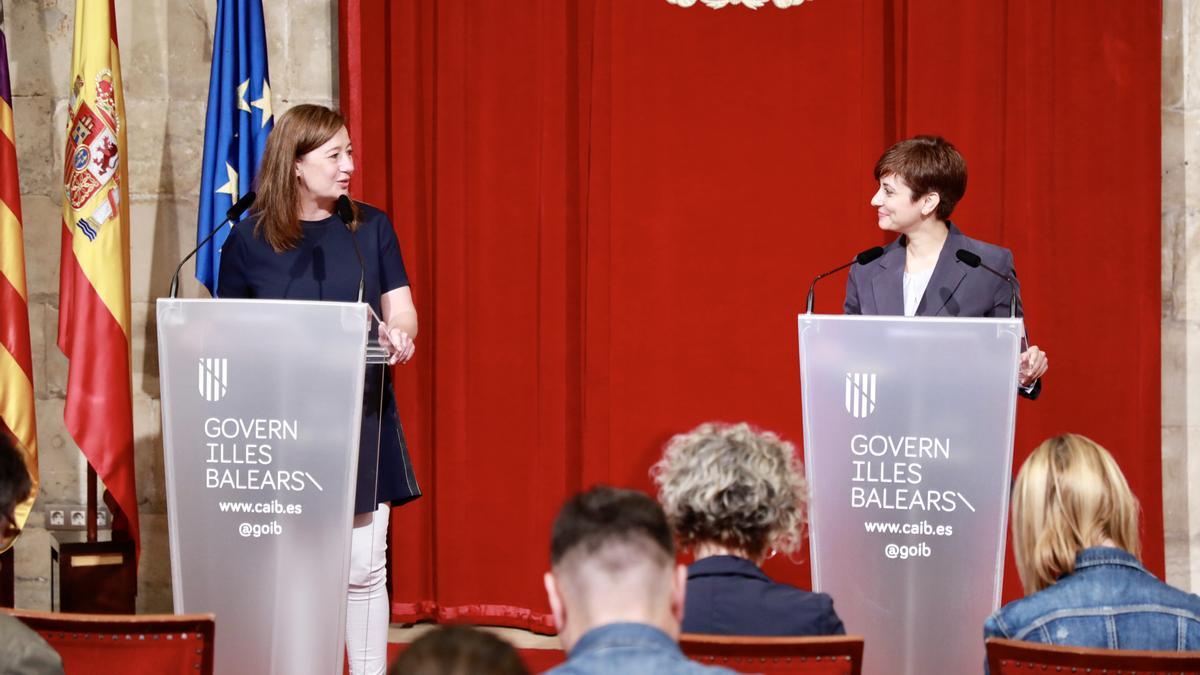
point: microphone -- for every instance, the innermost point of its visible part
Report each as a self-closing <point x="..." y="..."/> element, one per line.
<point x="231" y="215"/>
<point x="867" y="256"/>
<point x="345" y="212"/>
<point x="973" y="260"/>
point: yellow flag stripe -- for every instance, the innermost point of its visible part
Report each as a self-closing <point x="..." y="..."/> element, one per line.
<point x="16" y="408"/>
<point x="12" y="255"/>
<point x="6" y="121"/>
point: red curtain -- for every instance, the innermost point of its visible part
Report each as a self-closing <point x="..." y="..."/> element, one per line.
<point x="611" y="211"/>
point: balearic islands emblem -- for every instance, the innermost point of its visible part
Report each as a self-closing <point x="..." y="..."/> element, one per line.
<point x="212" y="378"/>
<point x="860" y="394"/>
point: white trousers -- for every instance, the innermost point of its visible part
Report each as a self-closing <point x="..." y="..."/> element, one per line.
<point x="367" y="607"/>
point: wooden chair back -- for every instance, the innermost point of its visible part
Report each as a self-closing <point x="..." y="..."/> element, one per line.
<point x="99" y="644"/>
<point x="1014" y="656"/>
<point x="826" y="655"/>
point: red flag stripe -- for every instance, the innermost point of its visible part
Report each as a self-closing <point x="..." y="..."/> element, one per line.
<point x="10" y="188"/>
<point x="112" y="25"/>
<point x="97" y="413"/>
<point x="14" y="328"/>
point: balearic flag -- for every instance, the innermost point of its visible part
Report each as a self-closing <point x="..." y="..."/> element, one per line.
<point x="235" y="131"/>
<point x="93" y="320"/>
<point x="16" y="362"/>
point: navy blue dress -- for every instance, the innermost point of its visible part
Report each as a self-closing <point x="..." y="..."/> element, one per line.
<point x="324" y="266"/>
<point x="727" y="595"/>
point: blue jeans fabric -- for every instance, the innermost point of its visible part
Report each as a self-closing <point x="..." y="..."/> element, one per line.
<point x="629" y="649"/>
<point x="1110" y="601"/>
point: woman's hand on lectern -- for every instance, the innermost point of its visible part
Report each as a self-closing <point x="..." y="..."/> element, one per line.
<point x="399" y="325"/>
<point x="399" y="345"/>
<point x="1033" y="365"/>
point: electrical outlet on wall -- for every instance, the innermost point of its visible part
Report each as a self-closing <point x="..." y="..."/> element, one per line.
<point x="74" y="517"/>
<point x="56" y="518"/>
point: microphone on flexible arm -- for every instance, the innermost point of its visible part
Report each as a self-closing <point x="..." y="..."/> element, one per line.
<point x="973" y="260"/>
<point x="376" y="354"/>
<point x="345" y="212"/>
<point x="231" y="215"/>
<point x="867" y="256"/>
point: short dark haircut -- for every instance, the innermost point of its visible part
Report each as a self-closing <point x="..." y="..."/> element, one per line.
<point x="459" y="650"/>
<point x="927" y="164"/>
<point x="605" y="515"/>
<point x="15" y="483"/>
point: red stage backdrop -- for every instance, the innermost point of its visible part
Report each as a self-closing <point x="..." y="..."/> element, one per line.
<point x="611" y="211"/>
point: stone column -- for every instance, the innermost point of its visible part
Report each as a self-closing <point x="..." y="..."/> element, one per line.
<point x="1181" y="290"/>
<point x="166" y="53"/>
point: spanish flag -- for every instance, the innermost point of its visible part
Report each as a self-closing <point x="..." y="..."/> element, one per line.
<point x="93" y="320"/>
<point x="16" y="363"/>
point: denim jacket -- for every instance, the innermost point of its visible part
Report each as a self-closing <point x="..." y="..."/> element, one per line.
<point x="1110" y="601"/>
<point x="629" y="649"/>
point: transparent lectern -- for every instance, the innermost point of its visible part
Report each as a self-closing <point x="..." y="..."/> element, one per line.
<point x="262" y="402"/>
<point x="908" y="437"/>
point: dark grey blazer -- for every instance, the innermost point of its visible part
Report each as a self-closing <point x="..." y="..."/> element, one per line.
<point x="955" y="289"/>
<point x="727" y="595"/>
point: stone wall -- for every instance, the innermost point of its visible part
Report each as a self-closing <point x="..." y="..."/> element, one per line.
<point x="166" y="52"/>
<point x="1181" y="290"/>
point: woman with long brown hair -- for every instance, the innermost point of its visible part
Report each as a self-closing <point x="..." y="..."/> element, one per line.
<point x="294" y="246"/>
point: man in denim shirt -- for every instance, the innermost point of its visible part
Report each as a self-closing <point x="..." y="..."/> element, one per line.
<point x="1075" y="535"/>
<point x="614" y="588"/>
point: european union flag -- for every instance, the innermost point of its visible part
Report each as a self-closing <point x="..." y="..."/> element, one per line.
<point x="235" y="131"/>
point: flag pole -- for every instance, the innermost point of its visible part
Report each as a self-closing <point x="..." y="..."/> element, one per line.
<point x="92" y="508"/>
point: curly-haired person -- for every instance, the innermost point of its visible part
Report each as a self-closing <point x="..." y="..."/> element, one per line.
<point x="736" y="496"/>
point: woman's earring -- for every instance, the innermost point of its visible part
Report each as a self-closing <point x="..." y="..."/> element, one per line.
<point x="771" y="554"/>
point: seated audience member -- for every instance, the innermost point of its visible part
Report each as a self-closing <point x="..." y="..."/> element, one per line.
<point x="459" y="650"/>
<point x="736" y="496"/>
<point x="1075" y="539"/>
<point x="21" y="649"/>
<point x="615" y="590"/>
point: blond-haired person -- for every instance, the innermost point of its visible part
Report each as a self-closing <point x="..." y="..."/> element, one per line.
<point x="735" y="496"/>
<point x="1075" y="538"/>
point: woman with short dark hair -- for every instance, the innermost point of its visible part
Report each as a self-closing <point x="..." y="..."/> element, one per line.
<point x="921" y="180"/>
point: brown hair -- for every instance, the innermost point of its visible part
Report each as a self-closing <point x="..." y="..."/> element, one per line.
<point x="605" y="515"/>
<point x="297" y="132"/>
<point x="927" y="164"/>
<point x="1069" y="495"/>
<point x="15" y="481"/>
<point x="459" y="650"/>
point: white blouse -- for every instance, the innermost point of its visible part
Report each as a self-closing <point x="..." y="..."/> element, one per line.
<point x="914" y="290"/>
